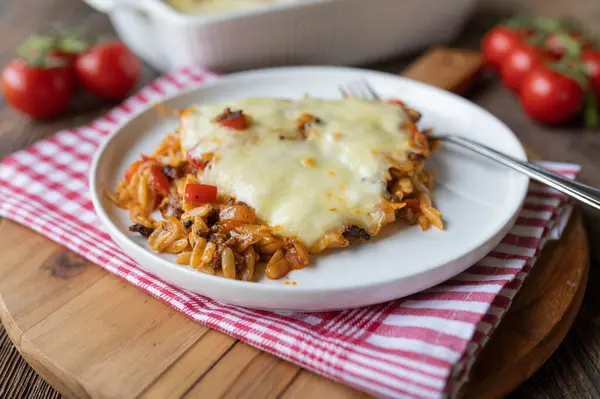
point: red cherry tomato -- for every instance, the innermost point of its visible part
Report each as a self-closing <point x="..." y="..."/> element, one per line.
<point x="160" y="182"/>
<point x="68" y="61"/>
<point x="198" y="194"/>
<point x="38" y="91"/>
<point x="498" y="42"/>
<point x="109" y="71"/>
<point x="57" y="49"/>
<point x="591" y="60"/>
<point x="550" y="97"/>
<point x="519" y="62"/>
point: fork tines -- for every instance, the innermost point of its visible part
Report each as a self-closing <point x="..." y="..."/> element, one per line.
<point x="359" y="89"/>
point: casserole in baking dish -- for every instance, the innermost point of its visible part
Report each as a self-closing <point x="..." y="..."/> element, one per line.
<point x="333" y="32"/>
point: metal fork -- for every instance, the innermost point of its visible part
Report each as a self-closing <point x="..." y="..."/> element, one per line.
<point x="587" y="194"/>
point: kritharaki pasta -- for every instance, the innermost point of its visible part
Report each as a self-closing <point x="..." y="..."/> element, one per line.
<point x="263" y="183"/>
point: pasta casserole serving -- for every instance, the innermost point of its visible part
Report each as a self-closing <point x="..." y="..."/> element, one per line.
<point x="265" y="181"/>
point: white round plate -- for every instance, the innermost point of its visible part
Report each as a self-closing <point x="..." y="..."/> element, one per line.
<point x="478" y="199"/>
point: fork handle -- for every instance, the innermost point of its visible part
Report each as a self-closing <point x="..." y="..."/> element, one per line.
<point x="587" y="194"/>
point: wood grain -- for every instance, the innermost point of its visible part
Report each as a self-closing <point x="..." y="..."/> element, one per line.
<point x="572" y="372"/>
<point x="109" y="339"/>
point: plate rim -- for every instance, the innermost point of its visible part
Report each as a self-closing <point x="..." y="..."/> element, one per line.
<point x="95" y="193"/>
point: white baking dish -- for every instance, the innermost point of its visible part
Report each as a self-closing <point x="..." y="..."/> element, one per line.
<point x="330" y="32"/>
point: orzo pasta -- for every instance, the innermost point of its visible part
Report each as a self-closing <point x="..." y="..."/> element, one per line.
<point x="266" y="181"/>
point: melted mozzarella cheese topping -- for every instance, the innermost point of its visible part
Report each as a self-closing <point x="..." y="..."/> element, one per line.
<point x="216" y="6"/>
<point x="301" y="187"/>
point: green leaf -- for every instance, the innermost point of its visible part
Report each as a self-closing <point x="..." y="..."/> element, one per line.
<point x="69" y="41"/>
<point x="518" y="21"/>
<point x="545" y="24"/>
<point x="573" y="69"/>
<point x="34" y="44"/>
<point x="71" y="44"/>
<point x="35" y="49"/>
<point x="572" y="46"/>
<point x="538" y="39"/>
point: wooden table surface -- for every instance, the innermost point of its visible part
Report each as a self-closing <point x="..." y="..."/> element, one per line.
<point x="572" y="372"/>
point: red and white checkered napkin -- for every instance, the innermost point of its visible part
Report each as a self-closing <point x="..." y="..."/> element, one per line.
<point x="420" y="346"/>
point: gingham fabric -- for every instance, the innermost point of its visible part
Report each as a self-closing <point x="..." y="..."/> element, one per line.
<point x="421" y="346"/>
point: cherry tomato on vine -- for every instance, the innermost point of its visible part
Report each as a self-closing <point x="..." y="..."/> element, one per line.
<point x="109" y="71"/>
<point x="499" y="41"/>
<point x="551" y="97"/>
<point x="519" y="62"/>
<point x="37" y="90"/>
<point x="57" y="47"/>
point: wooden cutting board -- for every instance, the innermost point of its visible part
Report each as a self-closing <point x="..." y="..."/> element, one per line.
<point x="90" y="334"/>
